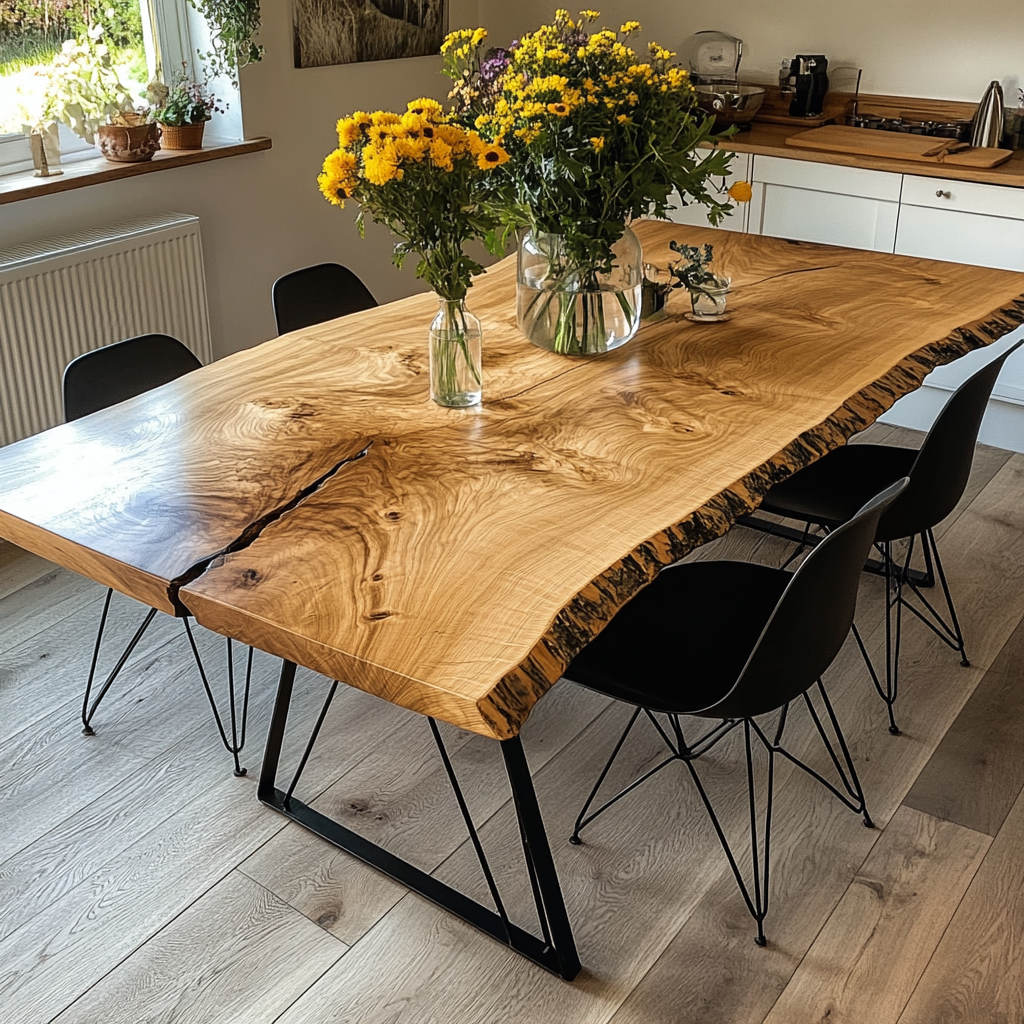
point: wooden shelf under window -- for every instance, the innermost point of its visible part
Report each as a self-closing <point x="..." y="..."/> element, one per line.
<point x="95" y="172"/>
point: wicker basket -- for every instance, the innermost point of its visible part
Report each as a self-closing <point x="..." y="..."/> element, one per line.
<point x="182" y="136"/>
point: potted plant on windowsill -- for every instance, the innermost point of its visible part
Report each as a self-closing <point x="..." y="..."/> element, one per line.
<point x="183" y="111"/>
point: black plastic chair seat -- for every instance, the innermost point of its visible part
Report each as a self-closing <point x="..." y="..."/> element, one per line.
<point x="680" y="645"/>
<point x="830" y="491"/>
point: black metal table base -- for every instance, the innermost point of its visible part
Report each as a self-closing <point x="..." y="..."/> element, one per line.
<point x="875" y="566"/>
<point x="555" y="951"/>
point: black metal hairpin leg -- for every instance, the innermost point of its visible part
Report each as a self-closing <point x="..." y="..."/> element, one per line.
<point x="87" y="711"/>
<point x="556" y="951"/>
<point x="235" y="744"/>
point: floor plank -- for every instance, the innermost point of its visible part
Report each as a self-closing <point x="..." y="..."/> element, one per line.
<point x="19" y="568"/>
<point x="977" y="772"/>
<point x="977" y="972"/>
<point x="902" y="898"/>
<point x="238" y="955"/>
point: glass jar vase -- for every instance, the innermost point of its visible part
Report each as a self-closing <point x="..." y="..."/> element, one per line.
<point x="577" y="310"/>
<point x="455" y="349"/>
<point x="709" y="300"/>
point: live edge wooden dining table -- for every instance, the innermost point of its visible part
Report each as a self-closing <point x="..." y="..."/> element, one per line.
<point x="306" y="497"/>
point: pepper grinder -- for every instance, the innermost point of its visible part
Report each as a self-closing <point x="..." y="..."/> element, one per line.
<point x="988" y="122"/>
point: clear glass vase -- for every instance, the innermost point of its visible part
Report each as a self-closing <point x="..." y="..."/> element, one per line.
<point x="576" y="310"/>
<point x="455" y="342"/>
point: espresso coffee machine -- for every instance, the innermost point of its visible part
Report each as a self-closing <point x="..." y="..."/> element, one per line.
<point x="808" y="77"/>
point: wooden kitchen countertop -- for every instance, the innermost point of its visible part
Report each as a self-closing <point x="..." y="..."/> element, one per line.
<point x="770" y="140"/>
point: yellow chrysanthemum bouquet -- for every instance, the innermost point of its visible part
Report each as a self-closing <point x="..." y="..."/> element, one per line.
<point x="425" y="177"/>
<point x="597" y="136"/>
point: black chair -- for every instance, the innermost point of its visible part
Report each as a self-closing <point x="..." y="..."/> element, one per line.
<point x="102" y="378"/>
<point x="829" y="491"/>
<point x="315" y="294"/>
<point x="732" y="641"/>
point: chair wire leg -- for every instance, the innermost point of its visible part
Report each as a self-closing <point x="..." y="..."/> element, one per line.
<point x="237" y="741"/>
<point x="582" y="819"/>
<point x="755" y="906"/>
<point x="87" y="710"/>
<point x="929" y="540"/>
<point x="478" y="846"/>
<point x="800" y="546"/>
<point x="867" y="660"/>
<point x="892" y="583"/>
<point x="854" y="777"/>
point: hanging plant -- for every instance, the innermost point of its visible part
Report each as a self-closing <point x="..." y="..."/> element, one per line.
<point x="232" y="23"/>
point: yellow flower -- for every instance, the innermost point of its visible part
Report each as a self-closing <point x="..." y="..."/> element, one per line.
<point x="630" y="26"/>
<point x="624" y="119"/>
<point x="333" y="191"/>
<point x="441" y="154"/>
<point x="561" y="109"/>
<point x="478" y="36"/>
<point x="492" y="156"/>
<point x="348" y="131"/>
<point x="741" y="191"/>
<point x="598" y="142"/>
<point x="426" y="108"/>
<point x="590" y="15"/>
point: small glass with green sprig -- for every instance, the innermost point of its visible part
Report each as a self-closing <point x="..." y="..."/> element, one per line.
<point x="709" y="291"/>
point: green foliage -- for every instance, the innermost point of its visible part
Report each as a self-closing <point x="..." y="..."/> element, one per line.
<point x="693" y="272"/>
<point x="83" y="88"/>
<point x="597" y="135"/>
<point x="187" y="102"/>
<point x="232" y="23"/>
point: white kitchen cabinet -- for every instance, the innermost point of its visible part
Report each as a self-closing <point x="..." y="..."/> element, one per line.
<point x="696" y="214"/>
<point x="966" y="222"/>
<point x="812" y="202"/>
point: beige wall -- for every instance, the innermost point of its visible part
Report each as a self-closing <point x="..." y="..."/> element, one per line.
<point x="948" y="49"/>
<point x="261" y="215"/>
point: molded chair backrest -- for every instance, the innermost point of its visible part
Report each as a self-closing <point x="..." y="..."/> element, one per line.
<point x="811" y="620"/>
<point x="123" y="370"/>
<point x="943" y="465"/>
<point x="315" y="294"/>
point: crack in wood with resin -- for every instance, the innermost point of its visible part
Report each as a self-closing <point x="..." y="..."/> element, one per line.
<point x="305" y="496"/>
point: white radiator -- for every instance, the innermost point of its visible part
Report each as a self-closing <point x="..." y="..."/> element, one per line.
<point x="60" y="297"/>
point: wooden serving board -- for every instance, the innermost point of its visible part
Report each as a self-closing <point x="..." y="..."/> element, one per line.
<point x="837" y="138"/>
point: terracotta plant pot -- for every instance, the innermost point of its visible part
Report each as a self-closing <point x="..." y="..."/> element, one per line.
<point x="128" y="145"/>
<point x="182" y="136"/>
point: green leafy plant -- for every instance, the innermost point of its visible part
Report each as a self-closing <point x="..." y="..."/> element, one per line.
<point x="232" y="23"/>
<point x="185" y="102"/>
<point x="693" y="272"/>
<point x="83" y="88"/>
<point x="598" y="135"/>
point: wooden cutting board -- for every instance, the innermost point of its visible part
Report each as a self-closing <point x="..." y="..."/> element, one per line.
<point x="837" y="138"/>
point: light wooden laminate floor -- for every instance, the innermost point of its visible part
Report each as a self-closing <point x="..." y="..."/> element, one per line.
<point x="142" y="882"/>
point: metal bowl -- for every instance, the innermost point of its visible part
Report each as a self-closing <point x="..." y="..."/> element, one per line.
<point x="731" y="104"/>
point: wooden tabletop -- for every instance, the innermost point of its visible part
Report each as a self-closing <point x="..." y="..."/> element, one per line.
<point x="305" y="496"/>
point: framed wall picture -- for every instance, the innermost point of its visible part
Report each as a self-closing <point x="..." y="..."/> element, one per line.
<point x="348" y="31"/>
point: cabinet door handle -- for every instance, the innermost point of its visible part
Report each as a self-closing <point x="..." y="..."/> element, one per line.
<point x="943" y="195"/>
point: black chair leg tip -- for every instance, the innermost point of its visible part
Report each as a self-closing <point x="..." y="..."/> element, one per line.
<point x="239" y="772"/>
<point x="965" y="662"/>
<point x="88" y="731"/>
<point x="761" y="941"/>
<point x="575" y="841"/>
<point x="895" y="730"/>
<point x="868" y="823"/>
